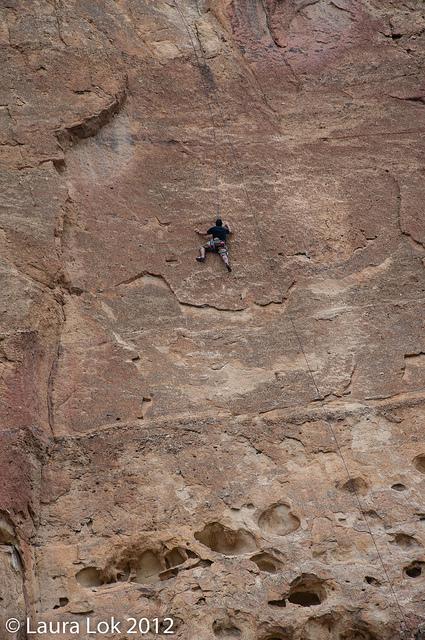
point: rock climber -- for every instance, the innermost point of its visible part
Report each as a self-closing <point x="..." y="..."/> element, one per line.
<point x="217" y="243"/>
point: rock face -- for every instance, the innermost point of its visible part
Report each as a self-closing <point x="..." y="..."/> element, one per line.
<point x="243" y="452"/>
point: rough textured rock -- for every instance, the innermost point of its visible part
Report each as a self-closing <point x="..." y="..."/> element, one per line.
<point x="243" y="452"/>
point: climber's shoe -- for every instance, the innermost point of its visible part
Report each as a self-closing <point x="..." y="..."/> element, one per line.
<point x="228" y="267"/>
<point x="200" y="259"/>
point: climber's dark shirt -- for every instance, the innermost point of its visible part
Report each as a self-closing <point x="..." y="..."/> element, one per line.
<point x="219" y="232"/>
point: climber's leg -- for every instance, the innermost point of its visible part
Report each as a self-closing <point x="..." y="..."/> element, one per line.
<point x="201" y="257"/>
<point x="224" y="255"/>
<point x="209" y="246"/>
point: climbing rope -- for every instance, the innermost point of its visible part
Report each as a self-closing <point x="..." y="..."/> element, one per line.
<point x="204" y="69"/>
<point x="350" y="479"/>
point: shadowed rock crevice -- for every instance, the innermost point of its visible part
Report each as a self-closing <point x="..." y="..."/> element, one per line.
<point x="398" y="486"/>
<point x="354" y="485"/>
<point x="415" y="569"/>
<point x="280" y="602"/>
<point x="140" y="565"/>
<point x="13" y="594"/>
<point x="267" y="562"/>
<point x="224" y="540"/>
<point x="307" y="591"/>
<point x="90" y="126"/>
<point x="225" y="628"/>
<point x="419" y="463"/>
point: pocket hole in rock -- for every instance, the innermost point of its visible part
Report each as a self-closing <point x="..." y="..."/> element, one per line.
<point x="404" y="540"/>
<point x="304" y="598"/>
<point x="148" y="567"/>
<point x="225" y="629"/>
<point x="275" y="635"/>
<point x="321" y="628"/>
<point x="116" y="572"/>
<point x="307" y="591"/>
<point x="419" y="463"/>
<point x="62" y="603"/>
<point x="398" y="487"/>
<point x="123" y="575"/>
<point x="414" y="570"/>
<point x="141" y="565"/>
<point x="226" y="541"/>
<point x="278" y="520"/>
<point x="266" y="562"/>
<point x="89" y="577"/>
<point x="174" y="557"/>
<point x="372" y="580"/>
<point x="278" y="603"/>
<point x="354" y="485"/>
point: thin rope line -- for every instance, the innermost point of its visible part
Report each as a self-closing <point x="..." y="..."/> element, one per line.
<point x="206" y="91"/>
<point x="205" y="65"/>
<point x="352" y="486"/>
<point x="320" y="397"/>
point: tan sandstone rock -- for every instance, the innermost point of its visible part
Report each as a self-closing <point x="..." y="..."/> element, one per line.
<point x="243" y="453"/>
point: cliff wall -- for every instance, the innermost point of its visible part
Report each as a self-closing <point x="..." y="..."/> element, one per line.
<point x="243" y="452"/>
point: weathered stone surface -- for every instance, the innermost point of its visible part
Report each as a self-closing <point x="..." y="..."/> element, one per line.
<point x="242" y="452"/>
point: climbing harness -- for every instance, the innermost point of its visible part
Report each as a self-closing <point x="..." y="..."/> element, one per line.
<point x="217" y="245"/>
